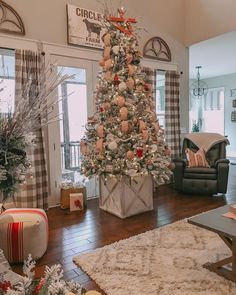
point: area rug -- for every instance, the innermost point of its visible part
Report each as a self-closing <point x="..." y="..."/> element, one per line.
<point x="163" y="261"/>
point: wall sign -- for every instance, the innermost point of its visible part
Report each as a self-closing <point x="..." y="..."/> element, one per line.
<point x="85" y="27"/>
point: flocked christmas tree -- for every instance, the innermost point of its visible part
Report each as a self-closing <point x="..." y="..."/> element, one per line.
<point x="124" y="136"/>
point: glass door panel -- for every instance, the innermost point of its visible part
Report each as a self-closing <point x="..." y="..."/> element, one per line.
<point x="73" y="110"/>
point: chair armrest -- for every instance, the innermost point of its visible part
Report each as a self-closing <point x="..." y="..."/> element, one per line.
<point x="180" y="165"/>
<point x="179" y="161"/>
<point x="222" y="166"/>
<point x="221" y="161"/>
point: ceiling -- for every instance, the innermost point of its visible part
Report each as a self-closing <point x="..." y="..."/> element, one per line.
<point x="217" y="56"/>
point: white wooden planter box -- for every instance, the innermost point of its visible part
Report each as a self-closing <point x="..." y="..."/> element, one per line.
<point x="124" y="197"/>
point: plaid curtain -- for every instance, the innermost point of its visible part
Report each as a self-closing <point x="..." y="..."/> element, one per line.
<point x="172" y="112"/>
<point x="34" y="192"/>
<point x="150" y="78"/>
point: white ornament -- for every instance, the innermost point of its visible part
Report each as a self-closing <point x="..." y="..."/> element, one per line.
<point x="153" y="148"/>
<point x="122" y="86"/>
<point x="112" y="146"/>
<point x="116" y="49"/>
<point x="22" y="177"/>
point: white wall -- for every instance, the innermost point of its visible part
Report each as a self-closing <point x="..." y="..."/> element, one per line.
<point x="46" y="21"/>
<point x="228" y="82"/>
<point x="205" y="19"/>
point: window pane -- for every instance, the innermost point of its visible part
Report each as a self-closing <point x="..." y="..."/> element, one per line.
<point x="77" y="110"/>
<point x="7" y="80"/>
<point x="77" y="75"/>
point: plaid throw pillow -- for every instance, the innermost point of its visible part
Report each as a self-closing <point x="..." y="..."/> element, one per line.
<point x="197" y="159"/>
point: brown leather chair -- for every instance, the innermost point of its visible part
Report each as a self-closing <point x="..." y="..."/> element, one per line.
<point x="202" y="181"/>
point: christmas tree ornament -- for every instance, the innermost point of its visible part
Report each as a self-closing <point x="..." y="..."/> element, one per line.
<point x="112" y="146"/>
<point x="120" y="101"/>
<point x="122" y="86"/>
<point x="108" y="64"/>
<point x="147" y="87"/>
<point x="142" y="125"/>
<point x="139" y="88"/>
<point x="139" y="152"/>
<point x="100" y="131"/>
<point x="83" y="148"/>
<point x="131" y="127"/>
<point x="135" y="121"/>
<point x="123" y="113"/>
<point x="107" y="106"/>
<point x="107" y="53"/>
<point x="131" y="70"/>
<point x="171" y="166"/>
<point x="109" y="168"/>
<point x="130" y="83"/>
<point x="102" y="62"/>
<point x="124" y="126"/>
<point x="150" y="167"/>
<point x="153" y="148"/>
<point x="156" y="126"/>
<point x="167" y="151"/>
<point x="145" y="134"/>
<point x="129" y="58"/>
<point x="130" y="155"/>
<point x="99" y="146"/>
<point x="107" y="39"/>
<point x="116" y="80"/>
<point x="116" y="49"/>
<point x="108" y="76"/>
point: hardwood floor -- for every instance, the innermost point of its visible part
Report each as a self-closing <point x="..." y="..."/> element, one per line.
<point x="74" y="233"/>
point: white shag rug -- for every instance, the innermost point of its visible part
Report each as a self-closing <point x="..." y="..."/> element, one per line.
<point x="165" y="261"/>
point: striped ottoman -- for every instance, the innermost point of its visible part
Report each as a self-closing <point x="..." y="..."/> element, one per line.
<point x="23" y="232"/>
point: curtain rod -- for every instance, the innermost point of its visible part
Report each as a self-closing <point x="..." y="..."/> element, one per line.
<point x="13" y="49"/>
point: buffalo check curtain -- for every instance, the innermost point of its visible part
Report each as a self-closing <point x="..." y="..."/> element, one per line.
<point x="172" y="112"/>
<point x="34" y="192"/>
<point x="150" y="79"/>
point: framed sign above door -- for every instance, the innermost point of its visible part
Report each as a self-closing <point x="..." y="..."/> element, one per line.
<point x="85" y="27"/>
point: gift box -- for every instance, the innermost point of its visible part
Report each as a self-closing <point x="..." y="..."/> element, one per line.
<point x="65" y="196"/>
<point x="76" y="202"/>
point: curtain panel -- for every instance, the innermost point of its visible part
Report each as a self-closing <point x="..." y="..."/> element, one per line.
<point x="34" y="192"/>
<point x="172" y="112"/>
<point x="151" y="80"/>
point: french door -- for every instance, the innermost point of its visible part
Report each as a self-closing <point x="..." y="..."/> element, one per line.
<point x="75" y="105"/>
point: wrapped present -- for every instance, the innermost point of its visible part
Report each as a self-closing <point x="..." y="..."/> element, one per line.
<point x="76" y="202"/>
<point x="65" y="196"/>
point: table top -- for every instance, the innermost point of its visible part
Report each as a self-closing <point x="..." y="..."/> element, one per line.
<point x="214" y="221"/>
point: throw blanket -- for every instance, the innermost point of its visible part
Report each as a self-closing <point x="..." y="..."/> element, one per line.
<point x="206" y="140"/>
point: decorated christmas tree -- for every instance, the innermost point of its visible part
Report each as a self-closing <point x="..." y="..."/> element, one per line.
<point x="124" y="136"/>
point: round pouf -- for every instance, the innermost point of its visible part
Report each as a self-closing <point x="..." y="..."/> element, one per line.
<point x="23" y="232"/>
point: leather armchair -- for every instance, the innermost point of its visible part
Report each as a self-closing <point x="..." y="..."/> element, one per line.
<point x="204" y="181"/>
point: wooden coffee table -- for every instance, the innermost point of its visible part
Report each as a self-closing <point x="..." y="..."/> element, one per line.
<point x="226" y="229"/>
